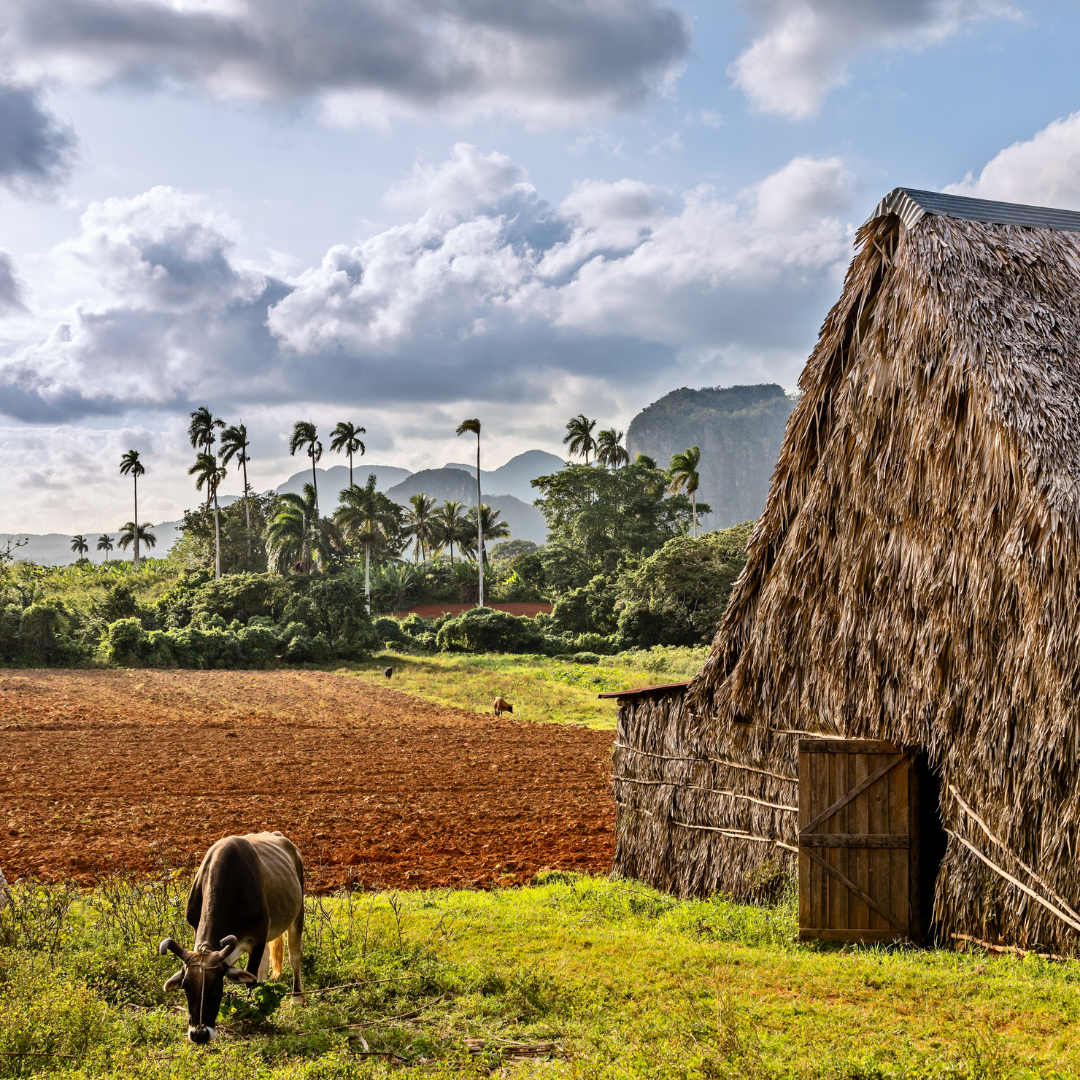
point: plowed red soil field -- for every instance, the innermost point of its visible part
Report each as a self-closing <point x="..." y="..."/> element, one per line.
<point x="103" y="771"/>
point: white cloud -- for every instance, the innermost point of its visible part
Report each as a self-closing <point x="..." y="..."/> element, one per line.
<point x="803" y="47"/>
<point x="490" y="301"/>
<point x="1044" y="170"/>
<point x="365" y="61"/>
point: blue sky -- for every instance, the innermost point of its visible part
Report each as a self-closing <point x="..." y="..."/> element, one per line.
<point x="407" y="214"/>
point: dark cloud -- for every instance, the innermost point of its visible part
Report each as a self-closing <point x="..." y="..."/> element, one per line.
<point x="537" y="57"/>
<point x="35" y="148"/>
<point x="11" y="290"/>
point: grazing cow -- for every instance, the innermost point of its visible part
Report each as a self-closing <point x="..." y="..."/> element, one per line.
<point x="388" y="671"/>
<point x="501" y="705"/>
<point x="249" y="891"/>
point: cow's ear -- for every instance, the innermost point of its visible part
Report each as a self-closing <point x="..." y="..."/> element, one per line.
<point x="242" y="975"/>
<point x="175" y="982"/>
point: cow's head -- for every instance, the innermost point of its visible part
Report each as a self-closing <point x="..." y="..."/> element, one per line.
<point x="202" y="978"/>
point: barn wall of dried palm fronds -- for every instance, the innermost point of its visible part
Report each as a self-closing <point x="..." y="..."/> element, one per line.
<point x="694" y="816"/>
<point x="915" y="577"/>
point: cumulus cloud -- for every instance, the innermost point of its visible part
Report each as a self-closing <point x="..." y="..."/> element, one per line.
<point x="1044" y="170"/>
<point x="35" y="148"/>
<point x="547" y="60"/>
<point x="489" y="292"/>
<point x="803" y="47"/>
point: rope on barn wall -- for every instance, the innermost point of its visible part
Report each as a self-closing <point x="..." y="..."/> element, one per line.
<point x="1019" y="884"/>
<point x="715" y="760"/>
<point x="710" y="791"/>
<point x="734" y="834"/>
<point x="1001" y="844"/>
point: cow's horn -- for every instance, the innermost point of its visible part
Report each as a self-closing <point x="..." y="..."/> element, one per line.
<point x="170" y="946"/>
<point x="227" y="944"/>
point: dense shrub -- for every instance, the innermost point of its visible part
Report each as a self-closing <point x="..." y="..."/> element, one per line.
<point x="486" y="630"/>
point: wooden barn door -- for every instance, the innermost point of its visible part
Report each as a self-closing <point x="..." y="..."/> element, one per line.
<point x="858" y="841"/>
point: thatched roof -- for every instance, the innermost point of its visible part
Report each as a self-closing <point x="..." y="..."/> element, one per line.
<point x="915" y="575"/>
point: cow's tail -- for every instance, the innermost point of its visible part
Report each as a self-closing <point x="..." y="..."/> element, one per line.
<point x="277" y="956"/>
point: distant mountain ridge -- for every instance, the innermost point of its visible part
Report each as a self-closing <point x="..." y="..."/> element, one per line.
<point x="516" y="476"/>
<point x="738" y="429"/>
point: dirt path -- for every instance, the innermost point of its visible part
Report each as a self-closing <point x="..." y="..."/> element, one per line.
<point x="105" y="770"/>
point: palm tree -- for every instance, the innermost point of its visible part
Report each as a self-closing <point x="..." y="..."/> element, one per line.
<point x="491" y="528"/>
<point x="683" y="473"/>
<point x="130" y="533"/>
<point x="579" y="436"/>
<point x="234" y="444"/>
<point x="206" y="470"/>
<point x="474" y="427"/>
<point x="104" y="543"/>
<point x="202" y="431"/>
<point x="364" y="515"/>
<point x="344" y="437"/>
<point x="421" y="524"/>
<point x="297" y="536"/>
<point x="610" y="450"/>
<point x="130" y="463"/>
<point x="451" y="523"/>
<point x="79" y="545"/>
<point x="304" y="434"/>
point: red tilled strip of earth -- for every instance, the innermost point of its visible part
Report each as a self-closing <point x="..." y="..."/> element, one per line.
<point x="106" y="771"/>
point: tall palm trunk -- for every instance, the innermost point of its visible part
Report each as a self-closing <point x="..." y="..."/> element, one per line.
<point x="367" y="575"/>
<point x="247" y="511"/>
<point x="136" y="520"/>
<point x="479" y="525"/>
<point x="350" y="468"/>
<point x="693" y="500"/>
<point x="217" y="539"/>
<point x="314" y="479"/>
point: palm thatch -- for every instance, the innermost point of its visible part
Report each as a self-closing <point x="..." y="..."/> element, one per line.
<point x="915" y="576"/>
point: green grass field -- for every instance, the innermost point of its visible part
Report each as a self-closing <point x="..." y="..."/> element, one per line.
<point x="592" y="978"/>
<point x="540" y="689"/>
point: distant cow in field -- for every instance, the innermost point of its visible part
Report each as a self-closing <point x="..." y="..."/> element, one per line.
<point x="249" y="891"/>
<point x="388" y="672"/>
<point x="501" y="705"/>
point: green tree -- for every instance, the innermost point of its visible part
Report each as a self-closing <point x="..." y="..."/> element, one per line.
<point x="610" y="450"/>
<point x="134" y="535"/>
<point x="104" y="543"/>
<point x="208" y="472"/>
<point x="421" y="524"/>
<point x="473" y="426"/>
<point x="130" y="465"/>
<point x="366" y="517"/>
<point x="683" y="471"/>
<point x="297" y="536"/>
<point x="79" y="545"/>
<point x="580" y="437"/>
<point x="234" y="444"/>
<point x="202" y="431"/>
<point x="678" y="594"/>
<point x="241" y="548"/>
<point x="344" y="438"/>
<point x="599" y="520"/>
<point x="452" y="524"/>
<point x="490" y="528"/>
<point x="304" y="434"/>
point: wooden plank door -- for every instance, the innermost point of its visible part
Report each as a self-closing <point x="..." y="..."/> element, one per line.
<point x="858" y="844"/>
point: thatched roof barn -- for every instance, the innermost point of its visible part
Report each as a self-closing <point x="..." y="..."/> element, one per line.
<point x="915" y="577"/>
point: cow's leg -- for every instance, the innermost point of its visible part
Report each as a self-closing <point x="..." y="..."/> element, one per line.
<point x="296" y="954"/>
<point x="258" y="960"/>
